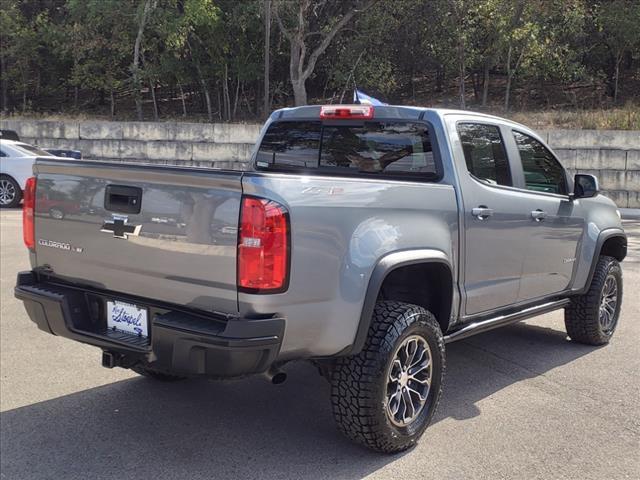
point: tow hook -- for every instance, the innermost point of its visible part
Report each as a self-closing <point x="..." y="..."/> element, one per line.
<point x="108" y="360"/>
<point x="112" y="359"/>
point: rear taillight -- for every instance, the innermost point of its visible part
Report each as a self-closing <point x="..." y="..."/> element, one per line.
<point x="28" y="209"/>
<point x="263" y="246"/>
<point x="346" y="112"/>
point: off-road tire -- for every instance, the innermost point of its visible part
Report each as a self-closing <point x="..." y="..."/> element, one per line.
<point x="155" y="374"/>
<point x="359" y="382"/>
<point x="581" y="317"/>
<point x="18" y="192"/>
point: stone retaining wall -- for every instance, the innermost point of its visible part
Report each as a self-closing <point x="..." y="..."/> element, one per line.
<point x="612" y="155"/>
<point x="219" y="145"/>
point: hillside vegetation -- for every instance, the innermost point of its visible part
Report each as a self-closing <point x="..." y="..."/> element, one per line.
<point x="547" y="63"/>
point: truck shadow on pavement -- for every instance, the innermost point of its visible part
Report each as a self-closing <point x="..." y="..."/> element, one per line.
<point x="139" y="428"/>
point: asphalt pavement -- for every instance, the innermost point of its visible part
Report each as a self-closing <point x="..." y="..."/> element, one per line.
<point x="522" y="402"/>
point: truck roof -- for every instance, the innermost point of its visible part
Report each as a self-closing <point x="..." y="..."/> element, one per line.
<point x="400" y="112"/>
<point x="386" y="111"/>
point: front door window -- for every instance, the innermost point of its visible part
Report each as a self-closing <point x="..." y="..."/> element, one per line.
<point x="542" y="172"/>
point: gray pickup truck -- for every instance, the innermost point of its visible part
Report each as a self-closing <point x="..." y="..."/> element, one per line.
<point x="362" y="238"/>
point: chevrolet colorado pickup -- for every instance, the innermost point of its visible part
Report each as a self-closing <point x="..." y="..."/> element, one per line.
<point x="362" y="238"/>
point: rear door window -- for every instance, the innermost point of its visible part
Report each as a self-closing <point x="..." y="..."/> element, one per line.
<point x="376" y="147"/>
<point x="484" y="153"/>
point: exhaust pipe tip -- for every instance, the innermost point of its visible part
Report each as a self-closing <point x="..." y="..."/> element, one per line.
<point x="279" y="378"/>
<point x="275" y="376"/>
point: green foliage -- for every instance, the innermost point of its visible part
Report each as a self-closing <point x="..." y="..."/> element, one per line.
<point x="20" y="49"/>
<point x="97" y="39"/>
<point x="617" y="21"/>
<point x="207" y="55"/>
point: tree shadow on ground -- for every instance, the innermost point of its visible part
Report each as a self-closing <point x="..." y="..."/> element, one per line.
<point x="138" y="428"/>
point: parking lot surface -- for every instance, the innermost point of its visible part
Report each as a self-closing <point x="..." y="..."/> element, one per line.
<point x="521" y="402"/>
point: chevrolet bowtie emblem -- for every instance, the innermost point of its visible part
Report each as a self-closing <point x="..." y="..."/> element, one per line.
<point x="120" y="227"/>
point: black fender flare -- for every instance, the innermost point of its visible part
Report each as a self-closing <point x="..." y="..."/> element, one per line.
<point x="386" y="265"/>
<point x="603" y="236"/>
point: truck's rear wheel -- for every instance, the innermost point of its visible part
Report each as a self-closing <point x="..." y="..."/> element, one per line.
<point x="592" y="318"/>
<point x="385" y="397"/>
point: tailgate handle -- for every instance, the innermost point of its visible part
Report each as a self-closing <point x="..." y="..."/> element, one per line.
<point x="122" y="199"/>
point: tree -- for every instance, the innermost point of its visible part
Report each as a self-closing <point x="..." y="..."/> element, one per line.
<point x="300" y="32"/>
<point x="366" y="61"/>
<point x="11" y="23"/>
<point x="485" y="39"/>
<point x="535" y="37"/>
<point x="618" y="22"/>
<point x="459" y="9"/>
<point x="186" y="28"/>
<point x="218" y="57"/>
<point x="517" y="39"/>
<point x="144" y="12"/>
<point x="267" y="48"/>
<point x="98" y="40"/>
<point x="242" y="55"/>
<point x="19" y="53"/>
<point x="556" y="56"/>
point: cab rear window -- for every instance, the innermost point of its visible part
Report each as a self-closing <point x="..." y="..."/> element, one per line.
<point x="375" y="147"/>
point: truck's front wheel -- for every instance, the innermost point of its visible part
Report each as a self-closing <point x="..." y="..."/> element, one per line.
<point x="592" y="318"/>
<point x="385" y="397"/>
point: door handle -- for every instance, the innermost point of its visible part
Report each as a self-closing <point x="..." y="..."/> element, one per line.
<point x="122" y="199"/>
<point x="538" y="215"/>
<point x="482" y="212"/>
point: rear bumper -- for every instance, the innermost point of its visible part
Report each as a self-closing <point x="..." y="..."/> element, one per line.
<point x="180" y="341"/>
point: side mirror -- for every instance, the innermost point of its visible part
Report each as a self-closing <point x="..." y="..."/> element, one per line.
<point x="585" y="186"/>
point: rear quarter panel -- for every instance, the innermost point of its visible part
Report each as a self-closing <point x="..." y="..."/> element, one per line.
<point x="340" y="229"/>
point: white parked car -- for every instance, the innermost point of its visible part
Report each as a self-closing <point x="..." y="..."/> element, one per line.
<point x="16" y="163"/>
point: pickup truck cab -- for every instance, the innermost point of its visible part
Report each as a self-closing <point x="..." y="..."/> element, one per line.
<point x="362" y="238"/>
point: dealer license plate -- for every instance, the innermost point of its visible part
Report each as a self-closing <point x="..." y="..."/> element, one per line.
<point x="126" y="317"/>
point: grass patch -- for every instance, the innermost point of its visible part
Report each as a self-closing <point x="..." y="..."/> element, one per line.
<point x="622" y="118"/>
<point x="619" y="118"/>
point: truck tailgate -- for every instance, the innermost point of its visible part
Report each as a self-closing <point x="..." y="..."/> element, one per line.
<point x="164" y="233"/>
